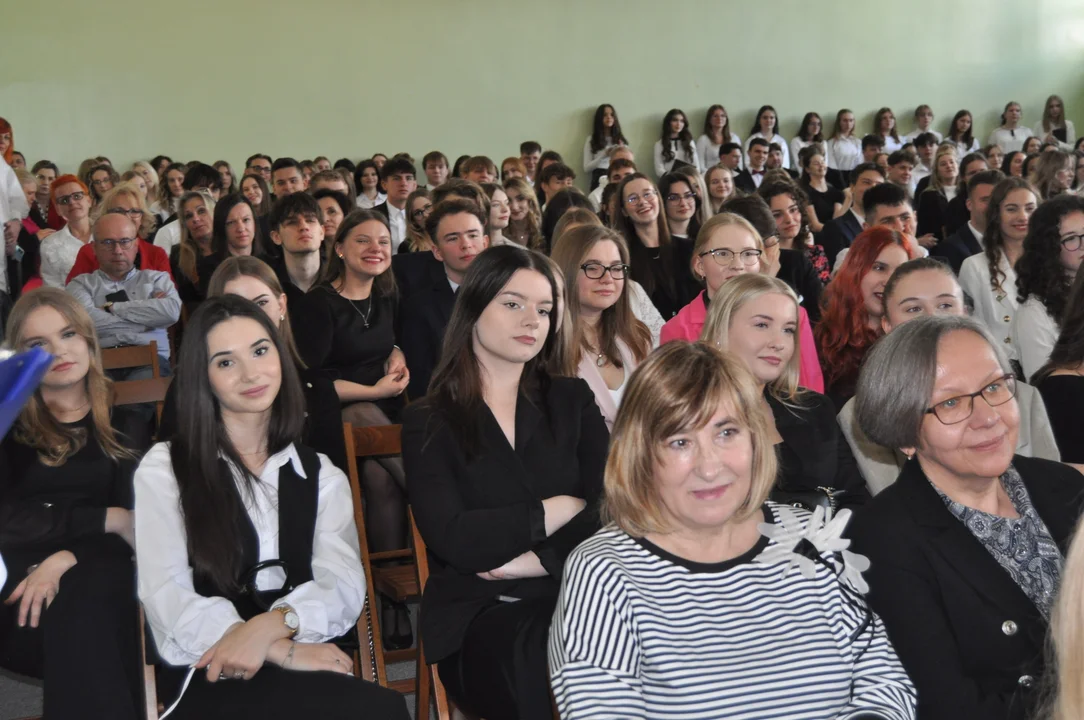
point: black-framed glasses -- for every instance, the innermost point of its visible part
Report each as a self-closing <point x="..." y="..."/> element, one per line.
<point x="1072" y="243"/>
<point x="134" y="213"/>
<point x="122" y="243"/>
<point x="421" y="212"/>
<point x="687" y="197"/>
<point x="725" y="257"/>
<point x="69" y="199"/>
<point x="595" y="271"/>
<point x="957" y="409"/>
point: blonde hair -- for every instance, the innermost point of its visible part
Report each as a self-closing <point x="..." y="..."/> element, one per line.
<point x="189" y="253"/>
<point x="152" y="183"/>
<point x="680" y="387"/>
<point x="1067" y="635"/>
<point x="709" y="200"/>
<point x="535" y="241"/>
<point x="36" y="426"/>
<point x="935" y="177"/>
<point x="575" y="217"/>
<point x="723" y="219"/>
<point x="126" y="189"/>
<point x="728" y="300"/>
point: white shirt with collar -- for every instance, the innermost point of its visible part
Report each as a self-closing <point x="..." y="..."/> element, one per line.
<point x="58" y="253"/>
<point x="168" y="235"/>
<point x="978" y="235"/>
<point x="184" y="623"/>
<point x="844" y="153"/>
<point x="13" y="206"/>
<point x="1034" y="332"/>
<point x="397" y="223"/>
<point x="777" y="139"/>
<point x="139" y="319"/>
<point x="366" y="204"/>
<point x="1010" y="140"/>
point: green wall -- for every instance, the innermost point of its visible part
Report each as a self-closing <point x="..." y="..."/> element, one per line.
<point x="224" y="79"/>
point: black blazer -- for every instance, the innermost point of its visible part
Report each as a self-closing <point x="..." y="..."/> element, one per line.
<point x="796" y="270"/>
<point x="814" y="452"/>
<point x="424" y="317"/>
<point x="416" y="271"/>
<point x="932" y="213"/>
<point x="968" y="636"/>
<point x="957" y="247"/>
<point x="839" y="233"/>
<point x="477" y="514"/>
<point x="957" y="214"/>
<point x="382" y="208"/>
<point x="744" y="181"/>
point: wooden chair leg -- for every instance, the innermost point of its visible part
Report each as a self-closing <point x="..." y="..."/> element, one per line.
<point x="422" y="686"/>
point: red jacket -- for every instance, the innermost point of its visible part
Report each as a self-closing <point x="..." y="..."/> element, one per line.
<point x="151" y="257"/>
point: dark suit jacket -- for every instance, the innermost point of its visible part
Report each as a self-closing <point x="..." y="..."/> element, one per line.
<point x="946" y="602"/>
<point x="932" y="213"/>
<point x="957" y="214"/>
<point x="814" y="452"/>
<point x="382" y="208"/>
<point x="744" y="181"/>
<point x="477" y="513"/>
<point x="921" y="186"/>
<point x="796" y="270"/>
<point x="838" y="234"/>
<point x="957" y="248"/>
<point x="416" y="271"/>
<point x="424" y="317"/>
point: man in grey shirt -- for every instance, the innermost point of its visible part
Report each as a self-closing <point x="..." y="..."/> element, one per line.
<point x="129" y="306"/>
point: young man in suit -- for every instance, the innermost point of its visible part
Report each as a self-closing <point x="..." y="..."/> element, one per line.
<point x="287" y="178"/>
<point x="457" y="227"/>
<point x="967" y="241"/>
<point x="839" y="233"/>
<point x="775" y="160"/>
<point x="901" y="167"/>
<point x="750" y="178"/>
<point x="730" y="154"/>
<point x="397" y="179"/>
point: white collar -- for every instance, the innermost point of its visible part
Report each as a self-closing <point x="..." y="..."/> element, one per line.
<point x="287" y="455"/>
<point x="974" y="231"/>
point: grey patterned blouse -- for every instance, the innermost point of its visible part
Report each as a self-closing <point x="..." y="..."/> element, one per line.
<point x="1022" y="546"/>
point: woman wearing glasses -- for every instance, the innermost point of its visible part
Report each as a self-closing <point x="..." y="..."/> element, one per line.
<point x="1053" y="249"/>
<point x="604" y="342"/>
<point x="966" y="548"/>
<point x="59" y="250"/>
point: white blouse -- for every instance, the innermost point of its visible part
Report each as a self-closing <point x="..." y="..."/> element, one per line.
<point x="184" y="623"/>
<point x="366" y="204"/>
<point x="596" y="160"/>
<point x="996" y="309"/>
<point x="709" y="151"/>
<point x="1010" y="140"/>
<point x="963" y="148"/>
<point x="1034" y="332"/>
<point x="910" y="137"/>
<point x="58" y="253"/>
<point x="1070" y="135"/>
<point x="892" y="144"/>
<point x="796" y="147"/>
<point x="663" y="166"/>
<point x="645" y="310"/>
<point x="778" y="139"/>
<point x="844" y="153"/>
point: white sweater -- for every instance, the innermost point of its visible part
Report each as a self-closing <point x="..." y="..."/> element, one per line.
<point x="663" y="166"/>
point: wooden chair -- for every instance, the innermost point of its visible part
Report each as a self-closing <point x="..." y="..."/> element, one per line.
<point x="135" y="392"/>
<point x="132" y="356"/>
<point x="440" y="695"/>
<point x="399" y="582"/>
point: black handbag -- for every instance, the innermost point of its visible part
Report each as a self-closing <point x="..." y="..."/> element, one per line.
<point x="825" y="497"/>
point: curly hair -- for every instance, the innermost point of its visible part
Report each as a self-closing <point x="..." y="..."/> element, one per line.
<point x="1039" y="271"/>
<point x="685" y="137"/>
<point x="769" y="190"/>
<point x="843" y="334"/>
<point x="992" y="238"/>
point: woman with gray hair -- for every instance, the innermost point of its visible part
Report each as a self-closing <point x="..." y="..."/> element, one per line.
<point x="966" y="547"/>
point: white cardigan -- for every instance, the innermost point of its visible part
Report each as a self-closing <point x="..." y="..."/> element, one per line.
<point x="1034" y="333"/>
<point x="663" y="166"/>
<point x="996" y="309"/>
<point x="1070" y="135"/>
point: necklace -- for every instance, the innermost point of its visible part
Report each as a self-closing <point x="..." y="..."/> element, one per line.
<point x="368" y="309"/>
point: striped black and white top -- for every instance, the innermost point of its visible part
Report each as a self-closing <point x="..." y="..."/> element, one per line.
<point x="641" y="633"/>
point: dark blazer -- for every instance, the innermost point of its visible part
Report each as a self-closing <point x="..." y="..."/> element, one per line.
<point x="416" y="271"/>
<point x="957" y="214"/>
<point x="932" y="214"/>
<point x="382" y="208"/>
<point x="839" y="233"/>
<point x="424" y="317"/>
<point x="921" y="186"/>
<point x="814" y="452"/>
<point x="957" y="247"/>
<point x="796" y="270"/>
<point x="968" y="636"/>
<point x="478" y="513"/>
<point x="744" y="181"/>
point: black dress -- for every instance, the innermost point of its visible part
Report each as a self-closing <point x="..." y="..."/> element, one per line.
<point x="86" y="646"/>
<point x="189" y="290"/>
<point x="796" y="270"/>
<point x="1063" y="396"/>
<point x="824" y="203"/>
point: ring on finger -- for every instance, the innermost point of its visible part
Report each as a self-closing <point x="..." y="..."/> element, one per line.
<point x="239" y="675"/>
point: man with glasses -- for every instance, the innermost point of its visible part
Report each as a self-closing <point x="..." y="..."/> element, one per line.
<point x="457" y="228"/>
<point x="259" y="165"/>
<point x="122" y="201"/>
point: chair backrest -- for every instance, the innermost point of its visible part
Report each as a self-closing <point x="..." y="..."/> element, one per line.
<point x="131" y="356"/>
<point x="134" y="392"/>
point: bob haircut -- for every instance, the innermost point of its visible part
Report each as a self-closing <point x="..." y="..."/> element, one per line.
<point x="130" y="191"/>
<point x="898" y="375"/>
<point x="679" y="388"/>
<point x="731" y="297"/>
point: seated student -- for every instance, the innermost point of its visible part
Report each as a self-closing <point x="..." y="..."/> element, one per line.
<point x="418" y="206"/>
<point x="198" y="177"/>
<point x="719" y="181"/>
<point x="1010" y="135"/>
<point x="775" y="161"/>
<point x="717" y="133"/>
<point x="901" y="165"/>
<point x="234" y="233"/>
<point x="681" y="203"/>
<point x="554" y="178"/>
<point x="1061" y="379"/>
<point x="693" y="550"/>
<point x="967" y="241"/>
<point x="479" y="169"/>
<point x="925" y="148"/>
<point x="604" y="342"/>
<point x="550" y="157"/>
<point x="675" y="144"/>
<point x="258" y="195"/>
<point x="1053" y="250"/>
<point x="397" y="180"/>
<point x="504" y="469"/>
<point x="197" y="209"/>
<point x="965" y="548"/>
<point x="750" y="178"/>
<point x="59" y="250"/>
<point x="884" y="127"/>
<point x="809" y="134"/>
<point x="530" y="152"/>
<point x="766" y="127"/>
<point x="297" y="227"/>
<point x="621" y="166"/>
<point x="731" y="155"/>
<point x="956" y="214"/>
<point x="525" y="217"/>
<point x="367" y="183"/>
<point x="457" y="228"/>
<point x="756" y="317"/>
<point x="69" y="611"/>
<point x="261" y="640"/>
<point x="872" y="146"/>
<point x="125" y="199"/>
<point x="435" y="166"/>
<point x="934" y="200"/>
<point x="287" y="178"/>
<point x="563" y="201"/>
<point x="334" y="206"/>
<point x="919" y="288"/>
<point x="308" y="169"/>
<point x="512" y="167"/>
<point x="851" y="320"/>
<point x="337" y="181"/>
<point x="790" y="209"/>
<point x="842" y="230"/>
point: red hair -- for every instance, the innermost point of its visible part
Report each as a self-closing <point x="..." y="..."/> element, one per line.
<point x="64" y="180"/>
<point x="5" y="127"/>
<point x="843" y="333"/>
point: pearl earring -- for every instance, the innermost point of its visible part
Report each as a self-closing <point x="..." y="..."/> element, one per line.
<point x="281" y="318"/>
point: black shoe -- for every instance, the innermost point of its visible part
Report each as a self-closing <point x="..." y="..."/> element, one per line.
<point x="398" y="615"/>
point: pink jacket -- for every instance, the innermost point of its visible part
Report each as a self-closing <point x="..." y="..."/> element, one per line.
<point x="689" y="322"/>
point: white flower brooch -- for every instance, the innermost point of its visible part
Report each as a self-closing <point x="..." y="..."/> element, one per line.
<point x="803" y="544"/>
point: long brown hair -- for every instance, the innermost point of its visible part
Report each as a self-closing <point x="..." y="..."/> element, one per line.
<point x="534" y="213"/>
<point x="992" y="239"/>
<point x="335" y="268"/>
<point x="639" y="254"/>
<point x="617" y="322"/>
<point x="36" y="426"/>
<point x="189" y="253"/>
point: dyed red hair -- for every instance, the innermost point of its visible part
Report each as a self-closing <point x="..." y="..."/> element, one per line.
<point x="64" y="180"/>
<point x="843" y="333"/>
<point x="5" y="127"/>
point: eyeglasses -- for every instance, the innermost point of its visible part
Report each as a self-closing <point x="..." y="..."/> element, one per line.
<point x="595" y="271"/>
<point x="1072" y="243"/>
<point x="134" y="213"/>
<point x="635" y="199"/>
<point x="421" y="212"/>
<point x="687" y="197"/>
<point x="123" y="243"/>
<point x="69" y="199"/>
<point x="725" y="257"/>
<point x="957" y="409"/>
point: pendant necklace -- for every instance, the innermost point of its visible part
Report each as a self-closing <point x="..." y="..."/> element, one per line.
<point x="368" y="309"/>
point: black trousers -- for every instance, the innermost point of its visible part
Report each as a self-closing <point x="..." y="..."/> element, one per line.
<point x="276" y="693"/>
<point x="501" y="671"/>
<point x="86" y="645"/>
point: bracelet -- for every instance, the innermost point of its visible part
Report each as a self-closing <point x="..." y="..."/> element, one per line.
<point x="289" y="655"/>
